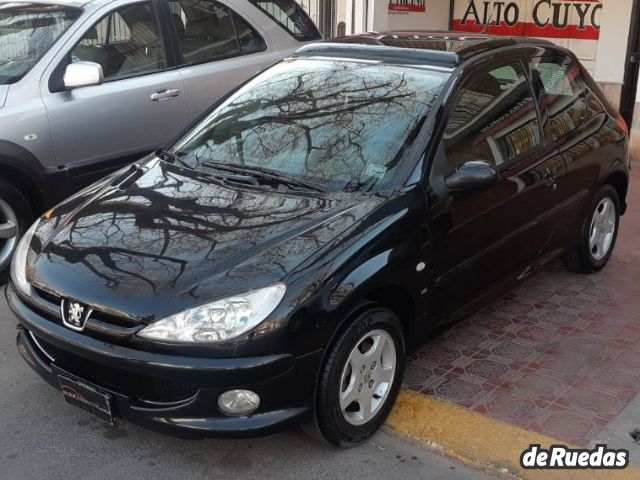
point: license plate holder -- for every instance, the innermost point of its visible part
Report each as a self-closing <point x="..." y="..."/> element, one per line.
<point x="87" y="397"/>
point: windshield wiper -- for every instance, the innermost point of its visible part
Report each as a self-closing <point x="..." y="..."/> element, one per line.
<point x="172" y="157"/>
<point x="267" y="174"/>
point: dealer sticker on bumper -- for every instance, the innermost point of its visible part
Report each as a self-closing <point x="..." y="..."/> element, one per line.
<point x="86" y="397"/>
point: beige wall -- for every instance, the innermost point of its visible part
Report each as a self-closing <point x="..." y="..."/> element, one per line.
<point x="612" y="46"/>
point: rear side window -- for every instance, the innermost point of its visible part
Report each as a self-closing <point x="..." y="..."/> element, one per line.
<point x="209" y="31"/>
<point x="493" y="118"/>
<point x="561" y="99"/>
<point x="250" y="41"/>
<point x="290" y="16"/>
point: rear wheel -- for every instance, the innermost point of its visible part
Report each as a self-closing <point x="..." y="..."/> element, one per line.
<point x="360" y="378"/>
<point x="599" y="233"/>
<point x="15" y="218"/>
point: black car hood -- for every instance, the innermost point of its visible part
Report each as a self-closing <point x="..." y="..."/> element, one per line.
<point x="168" y="238"/>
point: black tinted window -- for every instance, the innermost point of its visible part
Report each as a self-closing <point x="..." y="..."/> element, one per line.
<point x="560" y="97"/>
<point x="290" y="16"/>
<point x="493" y="118"/>
<point x="125" y="42"/>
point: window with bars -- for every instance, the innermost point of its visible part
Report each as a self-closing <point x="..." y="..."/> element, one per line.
<point x="290" y="16"/>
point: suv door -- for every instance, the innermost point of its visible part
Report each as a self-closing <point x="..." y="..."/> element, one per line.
<point x="219" y="49"/>
<point x="483" y="236"/>
<point x="139" y="106"/>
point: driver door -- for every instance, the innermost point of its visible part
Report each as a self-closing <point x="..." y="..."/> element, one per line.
<point x="140" y="106"/>
<point x="480" y="237"/>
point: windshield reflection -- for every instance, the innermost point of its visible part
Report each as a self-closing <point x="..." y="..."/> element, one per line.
<point x="27" y="31"/>
<point x="340" y="123"/>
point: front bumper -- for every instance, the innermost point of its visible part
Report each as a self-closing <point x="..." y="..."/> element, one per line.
<point x="173" y="394"/>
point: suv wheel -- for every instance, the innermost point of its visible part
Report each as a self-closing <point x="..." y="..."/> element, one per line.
<point x="360" y="378"/>
<point x="599" y="233"/>
<point x="15" y="218"/>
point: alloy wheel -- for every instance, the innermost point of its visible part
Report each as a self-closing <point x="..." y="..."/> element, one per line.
<point x="367" y="377"/>
<point x="8" y="232"/>
<point x="602" y="229"/>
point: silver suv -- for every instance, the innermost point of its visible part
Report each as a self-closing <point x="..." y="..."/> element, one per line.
<point x="86" y="87"/>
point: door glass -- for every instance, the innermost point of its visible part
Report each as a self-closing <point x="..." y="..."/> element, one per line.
<point x="493" y="119"/>
<point x="560" y="95"/>
<point x="250" y="40"/>
<point x="125" y="42"/>
<point x="205" y="30"/>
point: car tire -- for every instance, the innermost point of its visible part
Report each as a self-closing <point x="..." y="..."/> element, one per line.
<point x="599" y="233"/>
<point x="15" y="219"/>
<point x="365" y="363"/>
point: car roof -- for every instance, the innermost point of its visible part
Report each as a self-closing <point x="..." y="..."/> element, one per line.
<point x="62" y="3"/>
<point x="437" y="48"/>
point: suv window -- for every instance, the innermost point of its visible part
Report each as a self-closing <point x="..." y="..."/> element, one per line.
<point x="493" y="118"/>
<point x="125" y="42"/>
<point x="290" y="16"/>
<point x="207" y="30"/>
<point x="560" y="96"/>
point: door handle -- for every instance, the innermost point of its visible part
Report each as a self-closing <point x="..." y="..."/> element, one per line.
<point x="550" y="179"/>
<point x="163" y="95"/>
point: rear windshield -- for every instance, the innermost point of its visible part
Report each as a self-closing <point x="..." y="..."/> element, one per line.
<point x="341" y="124"/>
<point x="27" y="31"/>
<point x="290" y="16"/>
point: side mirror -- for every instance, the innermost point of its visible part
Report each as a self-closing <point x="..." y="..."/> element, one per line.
<point x="83" y="74"/>
<point x="472" y="176"/>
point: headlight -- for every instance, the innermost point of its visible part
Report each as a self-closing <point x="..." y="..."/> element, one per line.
<point x="19" y="263"/>
<point x="218" y="321"/>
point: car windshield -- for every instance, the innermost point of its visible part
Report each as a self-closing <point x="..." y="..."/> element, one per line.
<point x="27" y="31"/>
<point x="343" y="124"/>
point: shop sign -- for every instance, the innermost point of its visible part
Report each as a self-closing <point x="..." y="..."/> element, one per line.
<point x="407" y="6"/>
<point x="554" y="19"/>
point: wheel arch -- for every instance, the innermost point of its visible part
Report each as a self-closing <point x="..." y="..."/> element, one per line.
<point x="24" y="172"/>
<point x="392" y="296"/>
<point x="25" y="184"/>
<point x="620" y="181"/>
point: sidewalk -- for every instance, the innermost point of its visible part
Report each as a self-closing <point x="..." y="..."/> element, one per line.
<point x="559" y="356"/>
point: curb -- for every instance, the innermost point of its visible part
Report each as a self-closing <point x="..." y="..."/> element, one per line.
<point x="480" y="441"/>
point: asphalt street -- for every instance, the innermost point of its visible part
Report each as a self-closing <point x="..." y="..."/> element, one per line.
<point x="42" y="437"/>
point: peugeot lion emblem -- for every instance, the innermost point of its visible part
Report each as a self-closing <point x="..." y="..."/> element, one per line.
<point x="74" y="314"/>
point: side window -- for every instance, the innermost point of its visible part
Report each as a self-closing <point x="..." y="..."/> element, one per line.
<point x="125" y="42"/>
<point x="290" y="16"/>
<point x="561" y="101"/>
<point x="250" y="41"/>
<point x="209" y="31"/>
<point x="493" y="118"/>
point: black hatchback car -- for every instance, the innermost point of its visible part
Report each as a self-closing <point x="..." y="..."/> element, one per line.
<point x="275" y="263"/>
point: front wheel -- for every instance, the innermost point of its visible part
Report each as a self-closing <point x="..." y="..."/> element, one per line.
<point x="15" y="218"/>
<point x="360" y="378"/>
<point x="599" y="233"/>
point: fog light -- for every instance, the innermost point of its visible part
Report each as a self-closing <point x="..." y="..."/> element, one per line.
<point x="238" y="402"/>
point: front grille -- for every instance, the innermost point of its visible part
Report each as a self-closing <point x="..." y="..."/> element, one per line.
<point x="139" y="386"/>
<point x="54" y="301"/>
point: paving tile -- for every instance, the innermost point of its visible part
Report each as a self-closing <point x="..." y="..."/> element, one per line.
<point x="559" y="355"/>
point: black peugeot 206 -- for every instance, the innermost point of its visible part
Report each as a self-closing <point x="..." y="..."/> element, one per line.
<point x="276" y="262"/>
